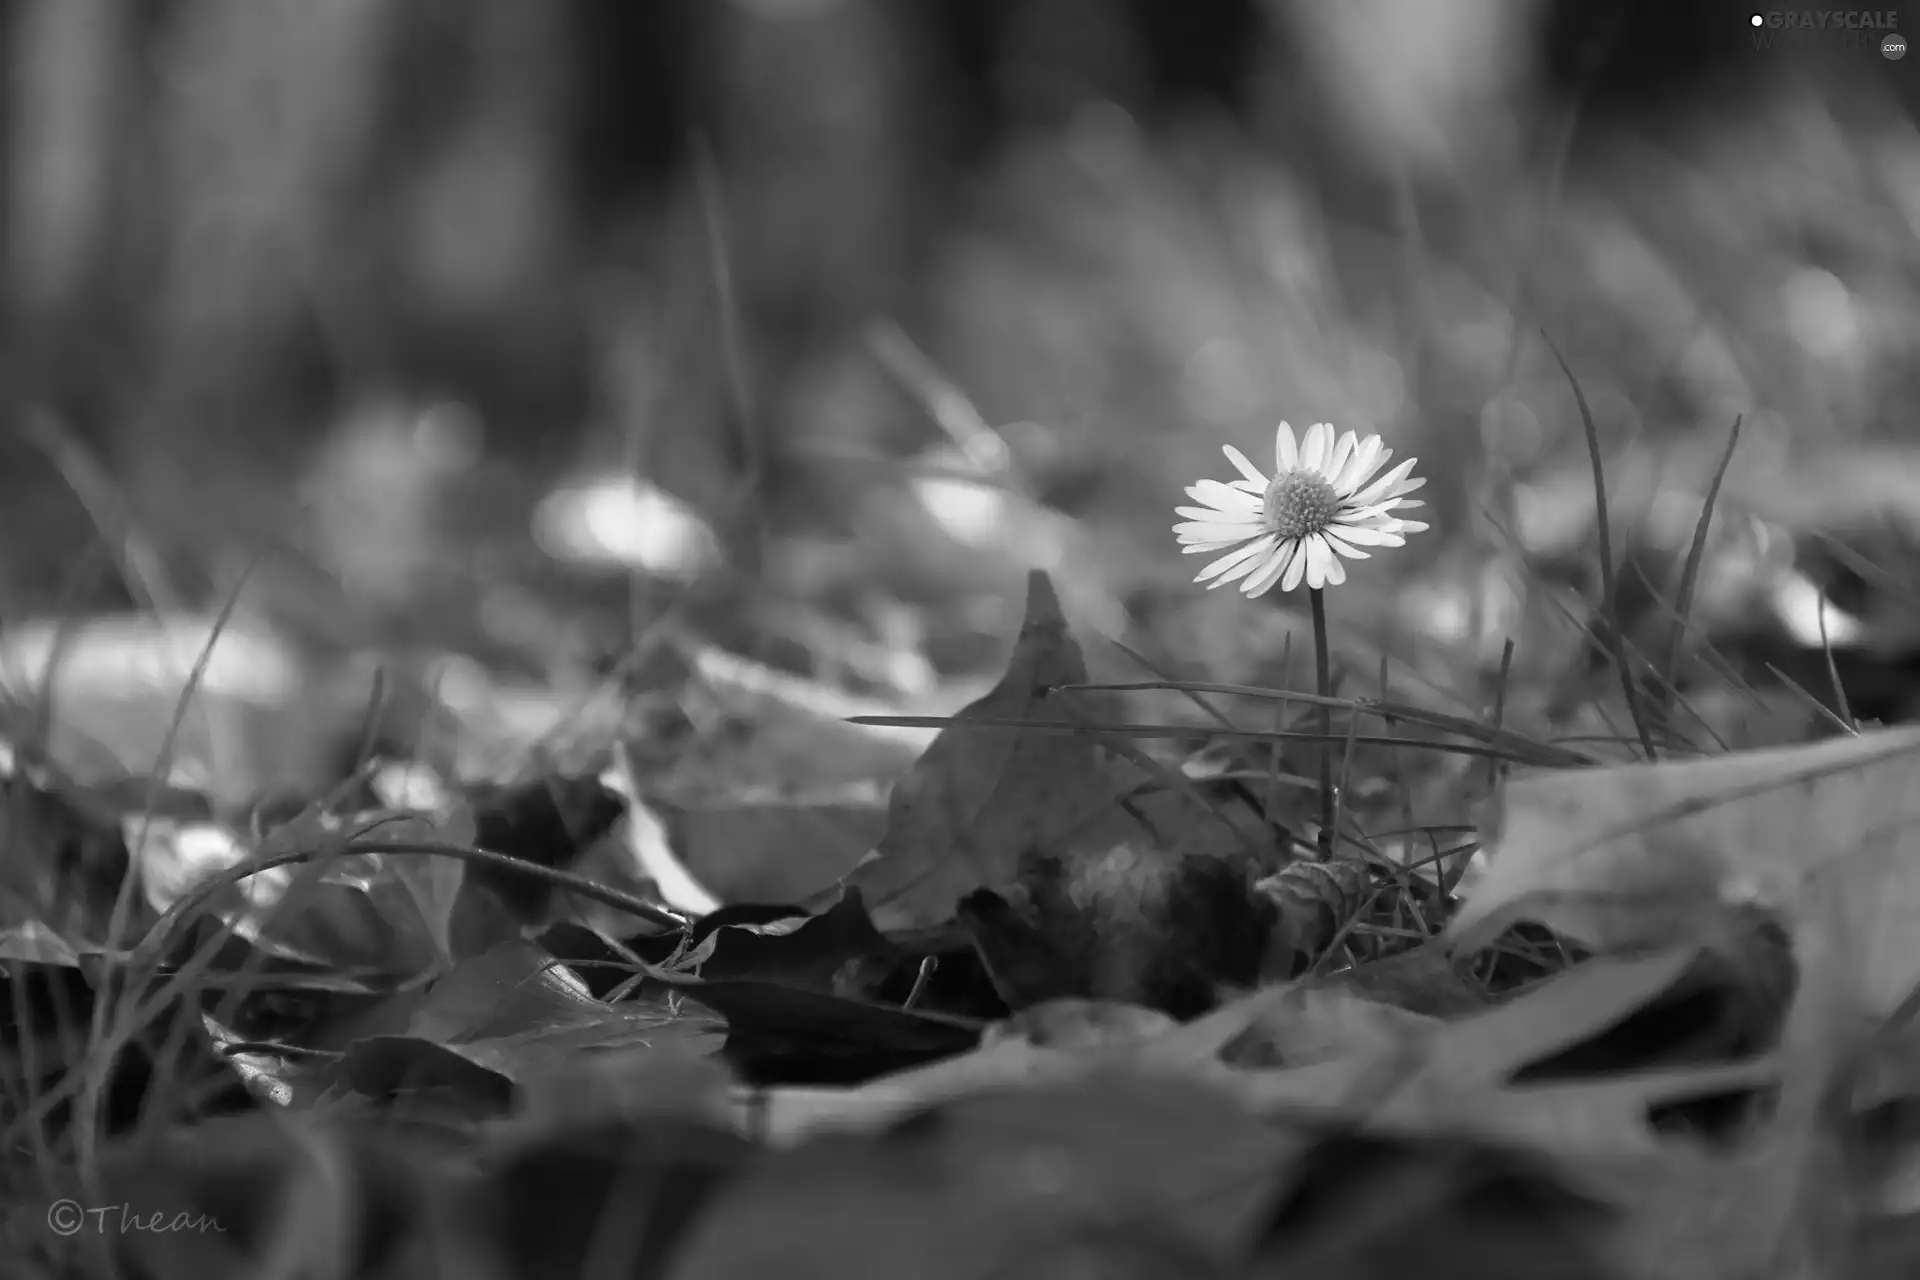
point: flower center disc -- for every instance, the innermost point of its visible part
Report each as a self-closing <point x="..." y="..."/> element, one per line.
<point x="1300" y="503"/>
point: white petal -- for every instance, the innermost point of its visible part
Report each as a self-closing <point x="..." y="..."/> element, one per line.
<point x="1313" y="451"/>
<point x="1285" y="457"/>
<point x="1247" y="469"/>
<point x="1247" y="522"/>
<point x="1344" y="547"/>
<point x="1336" y="572"/>
<point x="1413" y="526"/>
<point x="1215" y="494"/>
<point x="1215" y="531"/>
<point x="1262" y="582"/>
<point x="1364" y="535"/>
<point x="1252" y="564"/>
<point x="1366" y="459"/>
<point x="1316" y="555"/>
<point x="1342" y="450"/>
<point x="1377" y="516"/>
<point x="1343" y="478"/>
<point x="1373" y="467"/>
<point x="1296" y="567"/>
<point x="1238" y="572"/>
<point x="1197" y="513"/>
<point x="1244" y="556"/>
<point x="1385" y="486"/>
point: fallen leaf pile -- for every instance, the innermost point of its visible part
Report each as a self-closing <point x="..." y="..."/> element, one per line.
<point x="1058" y="1006"/>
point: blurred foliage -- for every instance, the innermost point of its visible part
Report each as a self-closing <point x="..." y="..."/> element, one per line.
<point x="335" y="294"/>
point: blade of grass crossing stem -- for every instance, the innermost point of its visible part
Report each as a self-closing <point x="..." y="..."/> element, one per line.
<point x="1690" y="571"/>
<point x="1610" y="603"/>
<point x="1172" y="779"/>
<point x="1162" y="681"/>
<point x="1565" y="759"/>
<point x="1212" y="712"/>
<point x="1473" y="730"/>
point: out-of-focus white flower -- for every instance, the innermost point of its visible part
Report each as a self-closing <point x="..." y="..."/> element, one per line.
<point x="1320" y="504"/>
<point x="620" y="520"/>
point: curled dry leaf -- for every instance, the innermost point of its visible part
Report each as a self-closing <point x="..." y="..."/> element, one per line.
<point x="1823" y="836"/>
<point x="1317" y="899"/>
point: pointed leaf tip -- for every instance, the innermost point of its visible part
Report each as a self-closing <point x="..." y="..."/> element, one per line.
<point x="1043" y="603"/>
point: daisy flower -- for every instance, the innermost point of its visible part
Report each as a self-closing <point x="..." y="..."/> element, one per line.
<point x="1322" y="503"/>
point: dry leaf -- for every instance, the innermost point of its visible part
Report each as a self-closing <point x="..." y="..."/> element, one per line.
<point x="773" y="853"/>
<point x="1650" y="854"/>
<point x="790" y="734"/>
<point x="981" y="797"/>
<point x="1554" y="1015"/>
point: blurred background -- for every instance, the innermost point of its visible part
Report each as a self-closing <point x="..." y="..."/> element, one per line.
<point x="504" y="329"/>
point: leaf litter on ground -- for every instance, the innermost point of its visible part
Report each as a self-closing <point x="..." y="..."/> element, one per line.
<point x="1092" y="1094"/>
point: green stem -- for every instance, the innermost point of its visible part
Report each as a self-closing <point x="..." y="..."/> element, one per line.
<point x="1323" y="685"/>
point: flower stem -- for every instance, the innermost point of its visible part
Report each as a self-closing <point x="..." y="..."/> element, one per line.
<point x="1323" y="685"/>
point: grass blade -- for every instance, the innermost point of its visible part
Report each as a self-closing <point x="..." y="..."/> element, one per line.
<point x="1525" y="750"/>
<point x="1535" y="755"/>
<point x="1610" y="612"/>
<point x="1690" y="572"/>
<point x="1833" y="670"/>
